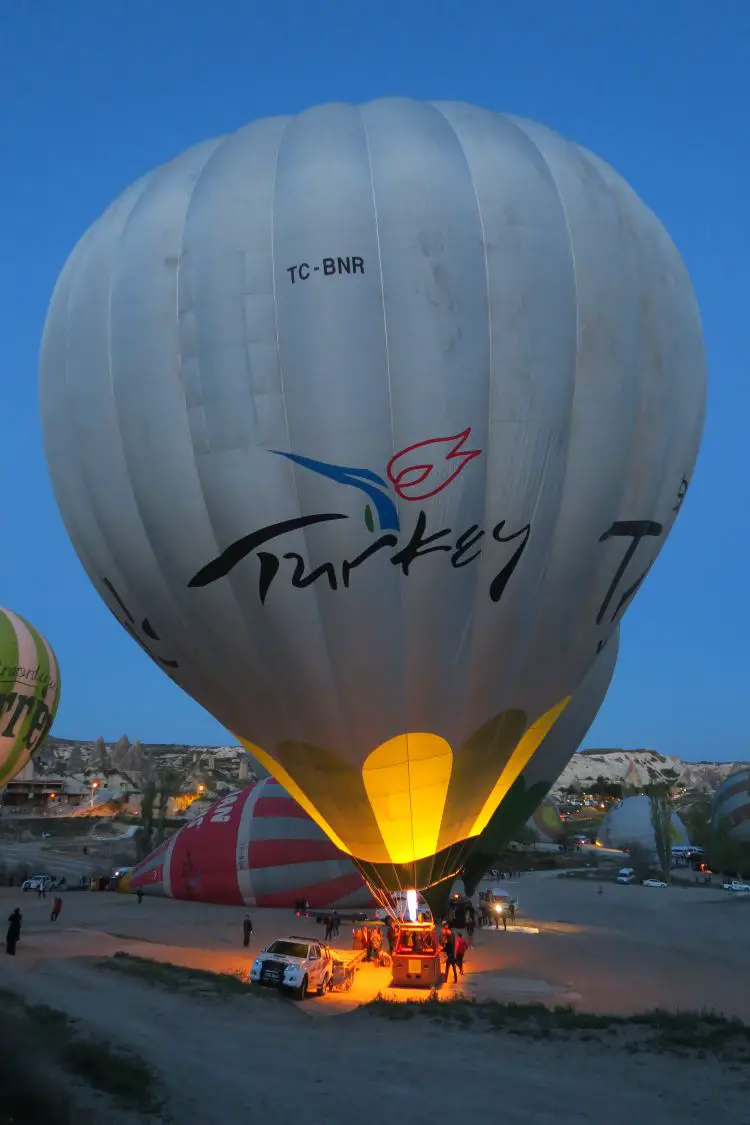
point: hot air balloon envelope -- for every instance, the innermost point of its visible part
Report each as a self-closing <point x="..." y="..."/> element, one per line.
<point x="254" y="847"/>
<point x="368" y="425"/>
<point x="29" y="693"/>
<point x="731" y="805"/>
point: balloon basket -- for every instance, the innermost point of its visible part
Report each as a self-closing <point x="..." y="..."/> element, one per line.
<point x="416" y="958"/>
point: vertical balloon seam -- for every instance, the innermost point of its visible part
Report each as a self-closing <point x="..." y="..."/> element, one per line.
<point x="79" y="271"/>
<point x="155" y="182"/>
<point x="335" y="690"/>
<point x="622" y="191"/>
<point x="64" y="290"/>
<point x="470" y="624"/>
<point x="517" y="124"/>
<point x="400" y="646"/>
<point x="633" y="454"/>
<point x="621" y="203"/>
<point x="214" y="154"/>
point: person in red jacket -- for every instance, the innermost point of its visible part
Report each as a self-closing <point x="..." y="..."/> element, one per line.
<point x="461" y="946"/>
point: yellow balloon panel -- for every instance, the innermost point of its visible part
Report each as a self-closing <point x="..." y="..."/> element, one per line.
<point x="414" y="795"/>
<point x="406" y="780"/>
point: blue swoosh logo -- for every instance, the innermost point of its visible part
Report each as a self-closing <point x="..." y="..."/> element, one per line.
<point x="363" y="479"/>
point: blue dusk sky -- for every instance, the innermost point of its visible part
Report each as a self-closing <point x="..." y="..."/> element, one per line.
<point x="95" y="93"/>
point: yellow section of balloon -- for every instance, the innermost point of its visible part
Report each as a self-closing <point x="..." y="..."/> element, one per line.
<point x="405" y="789"/>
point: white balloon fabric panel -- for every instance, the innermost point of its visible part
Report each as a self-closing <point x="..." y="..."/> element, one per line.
<point x="372" y="420"/>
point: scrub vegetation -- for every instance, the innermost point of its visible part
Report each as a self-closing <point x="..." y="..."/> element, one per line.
<point x="176" y="978"/>
<point x="657" y="1031"/>
<point x="47" y="1060"/>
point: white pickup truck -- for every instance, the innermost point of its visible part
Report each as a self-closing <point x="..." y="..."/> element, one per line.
<point x="737" y="887"/>
<point x="294" y="963"/>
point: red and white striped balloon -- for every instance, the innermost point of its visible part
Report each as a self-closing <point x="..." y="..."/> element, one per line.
<point x="254" y="847"/>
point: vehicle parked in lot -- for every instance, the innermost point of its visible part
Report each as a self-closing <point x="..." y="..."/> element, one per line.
<point x="500" y="901"/>
<point x="653" y="883"/>
<point x="38" y="882"/>
<point x="626" y="875"/>
<point x="294" y="963"/>
<point x="737" y="887"/>
<point x="402" y="908"/>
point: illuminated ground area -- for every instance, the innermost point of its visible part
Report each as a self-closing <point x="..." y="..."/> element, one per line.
<point x="625" y="950"/>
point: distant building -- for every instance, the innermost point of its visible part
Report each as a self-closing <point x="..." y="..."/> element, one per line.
<point x="31" y="792"/>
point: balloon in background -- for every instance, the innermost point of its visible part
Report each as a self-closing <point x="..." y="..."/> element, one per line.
<point x="29" y="693"/>
<point x="731" y="806"/>
<point x="367" y="424"/>
<point x="529" y="792"/>
<point x="545" y="823"/>
<point x="254" y="847"/>
<point x="630" y="824"/>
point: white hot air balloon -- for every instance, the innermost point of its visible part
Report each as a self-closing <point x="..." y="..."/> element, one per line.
<point x="368" y="424"/>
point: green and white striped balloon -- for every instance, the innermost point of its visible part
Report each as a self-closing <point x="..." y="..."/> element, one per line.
<point x="29" y="692"/>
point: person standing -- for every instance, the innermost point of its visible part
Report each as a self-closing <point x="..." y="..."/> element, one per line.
<point x="56" y="908"/>
<point x="14" y="932"/>
<point x="449" y="949"/>
<point x="247" y="930"/>
<point x="376" y="942"/>
<point x="461" y="946"/>
<point x="335" y="920"/>
<point x="470" y="924"/>
<point x="329" y="928"/>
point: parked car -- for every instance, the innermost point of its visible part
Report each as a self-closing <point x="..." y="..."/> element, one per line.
<point x="653" y="883"/>
<point x="294" y="963"/>
<point x="38" y="882"/>
<point x="737" y="887"/>
<point x="626" y="875"/>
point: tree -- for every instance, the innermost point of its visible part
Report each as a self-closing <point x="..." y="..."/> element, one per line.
<point x="661" y="822"/>
<point x="697" y="819"/>
<point x="144" y="839"/>
<point x="640" y="861"/>
<point x="168" y="786"/>
<point x="604" y="788"/>
<point x="728" y="854"/>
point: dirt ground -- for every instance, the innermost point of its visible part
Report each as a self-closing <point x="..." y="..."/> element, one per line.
<point x="625" y="950"/>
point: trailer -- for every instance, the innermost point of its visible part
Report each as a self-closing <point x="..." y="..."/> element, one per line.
<point x="345" y="965"/>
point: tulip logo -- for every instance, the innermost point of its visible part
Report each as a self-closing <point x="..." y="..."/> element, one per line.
<point x="417" y="472"/>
